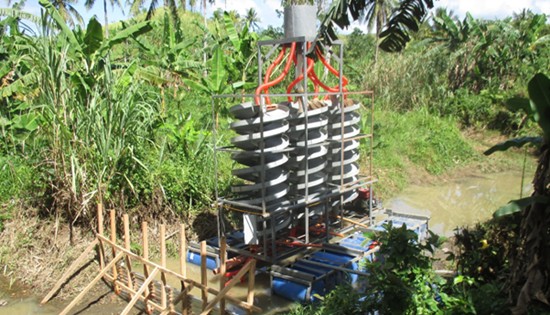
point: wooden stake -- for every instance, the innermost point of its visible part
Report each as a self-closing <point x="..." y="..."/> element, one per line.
<point x="183" y="269"/>
<point x="251" y="282"/>
<point x="163" y="264"/>
<point x="204" y="281"/>
<point x="145" y="243"/>
<point x="69" y="272"/>
<point x="112" y="215"/>
<point x="229" y="285"/>
<point x="126" y="221"/>
<point x="223" y="259"/>
<point x="91" y="284"/>
<point x="138" y="294"/>
<point x="100" y="232"/>
<point x="183" y="250"/>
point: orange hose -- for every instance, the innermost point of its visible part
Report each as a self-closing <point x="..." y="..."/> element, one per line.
<point x="270" y="70"/>
<point x="265" y="87"/>
<point x="333" y="71"/>
<point x="310" y="64"/>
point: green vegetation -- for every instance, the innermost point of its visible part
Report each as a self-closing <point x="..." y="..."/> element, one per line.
<point x="400" y="281"/>
<point x="415" y="140"/>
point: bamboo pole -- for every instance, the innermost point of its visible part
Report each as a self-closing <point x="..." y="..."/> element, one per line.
<point x="138" y="294"/>
<point x="182" y="295"/>
<point x="223" y="260"/>
<point x="126" y="222"/>
<point x="183" y="269"/>
<point x="145" y="243"/>
<point x="100" y="232"/>
<point x="112" y="215"/>
<point x="213" y="291"/>
<point x="163" y="264"/>
<point x="353" y="222"/>
<point x="69" y="272"/>
<point x="251" y="283"/>
<point x="230" y="284"/>
<point x="133" y="292"/>
<point x="204" y="280"/>
<point x="91" y="284"/>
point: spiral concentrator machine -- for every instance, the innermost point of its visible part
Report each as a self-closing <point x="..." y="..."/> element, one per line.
<point x="296" y="152"/>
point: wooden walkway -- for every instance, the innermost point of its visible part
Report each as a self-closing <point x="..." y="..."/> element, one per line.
<point x="144" y="283"/>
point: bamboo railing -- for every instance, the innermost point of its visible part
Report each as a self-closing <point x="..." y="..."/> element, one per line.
<point x="155" y="295"/>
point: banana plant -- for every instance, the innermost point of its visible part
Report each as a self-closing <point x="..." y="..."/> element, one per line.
<point x="216" y="80"/>
<point x="539" y="95"/>
<point x="242" y="49"/>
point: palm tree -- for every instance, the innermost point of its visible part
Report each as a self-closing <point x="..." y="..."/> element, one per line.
<point x="377" y="15"/>
<point x="252" y="18"/>
<point x="68" y="11"/>
<point x="90" y="3"/>
<point x="406" y="17"/>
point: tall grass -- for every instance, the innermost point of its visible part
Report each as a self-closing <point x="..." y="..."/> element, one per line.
<point x="405" y="142"/>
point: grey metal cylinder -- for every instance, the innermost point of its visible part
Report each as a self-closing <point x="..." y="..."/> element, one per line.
<point x="300" y="20"/>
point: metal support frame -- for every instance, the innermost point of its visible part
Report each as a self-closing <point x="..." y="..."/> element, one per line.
<point x="270" y="252"/>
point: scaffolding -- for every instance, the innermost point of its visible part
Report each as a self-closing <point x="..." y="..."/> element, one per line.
<point x="302" y="216"/>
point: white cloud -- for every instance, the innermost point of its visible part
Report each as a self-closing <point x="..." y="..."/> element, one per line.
<point x="493" y="9"/>
<point x="264" y="8"/>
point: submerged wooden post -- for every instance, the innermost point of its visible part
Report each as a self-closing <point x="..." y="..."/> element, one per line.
<point x="112" y="215"/>
<point x="128" y="262"/>
<point x="69" y="271"/>
<point x="223" y="259"/>
<point x="183" y="266"/>
<point x="100" y="232"/>
<point x="248" y="267"/>
<point x="251" y="283"/>
<point x="163" y="264"/>
<point x="91" y="284"/>
<point x="137" y="295"/>
<point x="204" y="280"/>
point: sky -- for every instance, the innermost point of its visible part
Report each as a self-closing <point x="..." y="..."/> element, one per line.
<point x="486" y="9"/>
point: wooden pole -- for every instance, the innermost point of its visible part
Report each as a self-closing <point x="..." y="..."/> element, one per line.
<point x="353" y="222"/>
<point x="145" y="243"/>
<point x="163" y="264"/>
<point x="204" y="281"/>
<point x="69" y="272"/>
<point x="138" y="294"/>
<point x="126" y="221"/>
<point x="251" y="283"/>
<point x="213" y="291"/>
<point x="223" y="260"/>
<point x="229" y="285"/>
<point x="91" y="284"/>
<point x="183" y="269"/>
<point x="112" y="215"/>
<point x="100" y="232"/>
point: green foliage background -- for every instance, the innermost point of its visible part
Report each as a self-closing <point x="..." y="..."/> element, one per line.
<point x="127" y="119"/>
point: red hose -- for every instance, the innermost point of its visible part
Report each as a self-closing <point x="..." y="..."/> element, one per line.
<point x="265" y="87"/>
<point x="333" y="71"/>
<point x="310" y="64"/>
<point x="270" y="70"/>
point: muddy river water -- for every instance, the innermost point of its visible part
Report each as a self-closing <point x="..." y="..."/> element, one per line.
<point x="460" y="202"/>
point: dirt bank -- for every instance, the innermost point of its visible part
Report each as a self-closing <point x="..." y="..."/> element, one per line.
<point x="35" y="252"/>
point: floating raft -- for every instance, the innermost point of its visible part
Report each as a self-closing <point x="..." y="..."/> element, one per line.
<point x="320" y="271"/>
